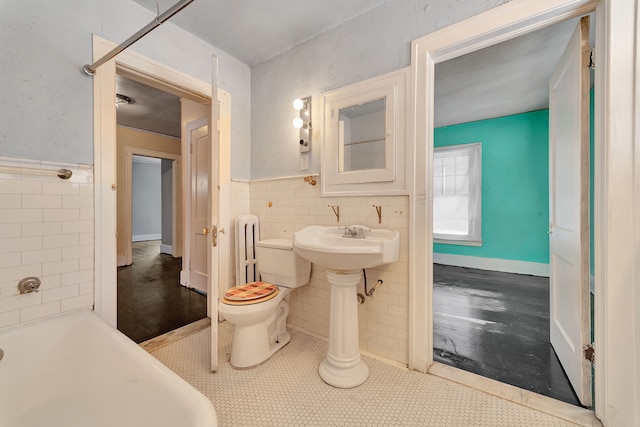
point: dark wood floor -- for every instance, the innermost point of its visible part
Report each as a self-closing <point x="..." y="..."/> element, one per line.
<point x="497" y="325"/>
<point x="151" y="300"/>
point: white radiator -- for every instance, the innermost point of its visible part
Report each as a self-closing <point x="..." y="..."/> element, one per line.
<point x="247" y="234"/>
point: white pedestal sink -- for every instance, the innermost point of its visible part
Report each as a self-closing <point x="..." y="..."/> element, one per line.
<point x="344" y="254"/>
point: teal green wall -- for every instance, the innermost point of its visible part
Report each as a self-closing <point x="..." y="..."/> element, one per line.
<point x="515" y="185"/>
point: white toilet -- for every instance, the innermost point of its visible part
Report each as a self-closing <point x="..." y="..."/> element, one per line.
<point x="259" y="310"/>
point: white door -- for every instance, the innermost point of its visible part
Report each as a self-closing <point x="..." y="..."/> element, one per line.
<point x="569" y="210"/>
<point x="214" y="160"/>
<point x="209" y="216"/>
<point x="200" y="151"/>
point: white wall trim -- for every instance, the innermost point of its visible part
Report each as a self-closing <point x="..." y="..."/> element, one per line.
<point x="166" y="249"/>
<point x="493" y="264"/>
<point x="145" y="237"/>
<point x="276" y="178"/>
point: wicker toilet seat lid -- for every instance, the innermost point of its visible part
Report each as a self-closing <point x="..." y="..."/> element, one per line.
<point x="251" y="292"/>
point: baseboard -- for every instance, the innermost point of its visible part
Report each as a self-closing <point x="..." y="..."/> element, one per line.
<point x="184" y="278"/>
<point x="493" y="264"/>
<point x="145" y="237"/>
<point x="166" y="249"/>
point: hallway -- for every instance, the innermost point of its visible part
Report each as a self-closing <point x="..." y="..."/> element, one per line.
<point x="151" y="300"/>
<point x="497" y="325"/>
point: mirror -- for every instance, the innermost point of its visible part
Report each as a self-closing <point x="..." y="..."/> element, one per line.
<point x="364" y="137"/>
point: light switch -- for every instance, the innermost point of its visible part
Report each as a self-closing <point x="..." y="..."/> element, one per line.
<point x="304" y="162"/>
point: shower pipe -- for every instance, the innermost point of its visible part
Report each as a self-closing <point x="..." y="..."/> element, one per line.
<point x="91" y="69"/>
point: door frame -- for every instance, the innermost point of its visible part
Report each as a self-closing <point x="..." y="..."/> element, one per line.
<point x="617" y="179"/>
<point x="160" y="76"/>
<point x="129" y="152"/>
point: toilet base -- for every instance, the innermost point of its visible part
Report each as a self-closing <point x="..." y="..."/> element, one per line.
<point x="254" y="343"/>
<point x="251" y="346"/>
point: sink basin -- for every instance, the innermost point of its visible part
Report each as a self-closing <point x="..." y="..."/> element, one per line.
<point x="326" y="246"/>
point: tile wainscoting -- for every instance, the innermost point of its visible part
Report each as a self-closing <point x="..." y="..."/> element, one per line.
<point x="287" y="205"/>
<point x="46" y="231"/>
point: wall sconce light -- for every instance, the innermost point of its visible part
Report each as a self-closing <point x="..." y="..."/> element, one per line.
<point x="303" y="122"/>
<point x="298" y="123"/>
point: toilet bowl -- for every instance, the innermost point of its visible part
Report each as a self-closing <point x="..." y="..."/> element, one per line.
<point x="260" y="321"/>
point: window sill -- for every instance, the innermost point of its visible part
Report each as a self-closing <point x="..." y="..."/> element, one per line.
<point x="458" y="242"/>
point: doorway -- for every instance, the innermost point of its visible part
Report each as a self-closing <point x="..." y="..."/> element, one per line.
<point x="491" y="294"/>
<point x="150" y="297"/>
<point x="157" y="75"/>
<point x="437" y="52"/>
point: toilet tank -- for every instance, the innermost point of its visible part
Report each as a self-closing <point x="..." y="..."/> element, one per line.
<point x="278" y="264"/>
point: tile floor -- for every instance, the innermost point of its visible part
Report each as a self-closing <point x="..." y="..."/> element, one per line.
<point x="287" y="391"/>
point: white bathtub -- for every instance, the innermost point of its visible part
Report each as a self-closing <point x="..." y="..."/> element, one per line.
<point x="75" y="370"/>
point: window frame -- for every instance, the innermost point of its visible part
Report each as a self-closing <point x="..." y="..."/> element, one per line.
<point x="474" y="237"/>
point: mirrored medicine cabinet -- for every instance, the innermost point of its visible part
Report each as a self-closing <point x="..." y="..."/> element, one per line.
<point x="365" y="137"/>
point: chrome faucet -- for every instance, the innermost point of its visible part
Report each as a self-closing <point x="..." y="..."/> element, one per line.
<point x="355" y="231"/>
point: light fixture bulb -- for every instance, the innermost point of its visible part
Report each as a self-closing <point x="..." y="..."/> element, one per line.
<point x="298" y="104"/>
<point x="298" y="123"/>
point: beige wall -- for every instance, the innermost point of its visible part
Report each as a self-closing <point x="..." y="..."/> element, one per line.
<point x="192" y="111"/>
<point x="128" y="137"/>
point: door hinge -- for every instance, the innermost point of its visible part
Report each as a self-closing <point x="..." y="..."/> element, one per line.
<point x="191" y="147"/>
<point x="589" y="353"/>
<point x="189" y="264"/>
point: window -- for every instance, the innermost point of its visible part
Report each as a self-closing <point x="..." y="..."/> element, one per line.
<point x="457" y="188"/>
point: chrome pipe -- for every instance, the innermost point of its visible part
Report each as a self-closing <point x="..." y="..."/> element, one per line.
<point x="91" y="69"/>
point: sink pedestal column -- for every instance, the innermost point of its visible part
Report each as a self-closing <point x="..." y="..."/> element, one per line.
<point x="343" y="366"/>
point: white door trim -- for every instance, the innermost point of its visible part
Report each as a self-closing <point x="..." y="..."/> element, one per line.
<point x="130" y="63"/>
<point x="617" y="179"/>
<point x="129" y="152"/>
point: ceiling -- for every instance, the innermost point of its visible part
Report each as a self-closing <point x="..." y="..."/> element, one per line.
<point x="256" y="30"/>
<point x="509" y="78"/>
<point x="152" y="109"/>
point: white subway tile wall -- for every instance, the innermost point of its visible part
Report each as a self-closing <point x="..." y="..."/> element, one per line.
<point x="46" y="231"/>
<point x="287" y="205"/>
